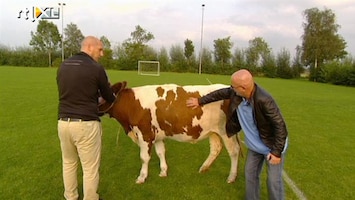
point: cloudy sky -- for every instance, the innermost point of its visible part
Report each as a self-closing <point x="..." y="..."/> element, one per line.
<point x="279" y="22"/>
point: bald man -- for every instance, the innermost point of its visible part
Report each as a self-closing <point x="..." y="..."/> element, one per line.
<point x="80" y="80"/>
<point x="254" y="111"/>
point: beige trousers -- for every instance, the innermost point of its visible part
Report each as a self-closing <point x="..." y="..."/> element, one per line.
<point x="80" y="142"/>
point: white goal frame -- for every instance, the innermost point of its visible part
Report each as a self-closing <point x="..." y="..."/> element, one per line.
<point x="141" y="70"/>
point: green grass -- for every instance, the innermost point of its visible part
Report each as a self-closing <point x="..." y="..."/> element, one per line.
<point x="319" y="160"/>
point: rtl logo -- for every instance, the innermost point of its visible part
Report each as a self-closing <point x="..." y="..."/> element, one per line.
<point x="40" y="13"/>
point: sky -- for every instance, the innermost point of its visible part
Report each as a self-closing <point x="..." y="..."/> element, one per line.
<point x="278" y="22"/>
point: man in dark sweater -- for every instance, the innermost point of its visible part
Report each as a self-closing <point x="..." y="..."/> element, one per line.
<point x="81" y="80"/>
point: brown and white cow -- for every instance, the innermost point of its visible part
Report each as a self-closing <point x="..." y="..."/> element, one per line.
<point x="149" y="114"/>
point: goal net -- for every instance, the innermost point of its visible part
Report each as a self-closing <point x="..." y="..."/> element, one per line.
<point x="151" y="68"/>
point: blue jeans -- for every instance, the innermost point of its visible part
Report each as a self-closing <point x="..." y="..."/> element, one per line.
<point x="253" y="166"/>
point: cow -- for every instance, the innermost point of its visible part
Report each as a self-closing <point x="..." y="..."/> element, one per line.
<point x="149" y="114"/>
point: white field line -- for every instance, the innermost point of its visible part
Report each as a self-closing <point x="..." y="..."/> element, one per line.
<point x="209" y="81"/>
<point x="293" y="186"/>
<point x="118" y="135"/>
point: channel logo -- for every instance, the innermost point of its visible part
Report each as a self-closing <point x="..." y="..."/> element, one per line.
<point x="37" y="13"/>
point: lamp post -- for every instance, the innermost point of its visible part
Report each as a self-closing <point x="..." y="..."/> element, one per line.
<point x="200" y="65"/>
<point x="62" y="16"/>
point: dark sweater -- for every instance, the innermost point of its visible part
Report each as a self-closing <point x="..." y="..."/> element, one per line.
<point x="80" y="81"/>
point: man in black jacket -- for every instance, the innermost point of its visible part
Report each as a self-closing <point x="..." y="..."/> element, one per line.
<point x="254" y="111"/>
<point x="80" y="80"/>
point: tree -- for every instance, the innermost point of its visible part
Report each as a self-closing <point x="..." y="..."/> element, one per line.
<point x="149" y="53"/>
<point x="106" y="60"/>
<point x="222" y="50"/>
<point x="120" y="54"/>
<point x="258" y="49"/>
<point x="135" y="47"/>
<point x="5" y="54"/>
<point x="207" y="62"/>
<point x="177" y="58"/>
<point x="46" y="39"/>
<point x="320" y="40"/>
<point x="189" y="49"/>
<point x="268" y="65"/>
<point x="189" y="54"/>
<point x="72" y="40"/>
<point x="105" y="42"/>
<point x="251" y="58"/>
<point x="283" y="63"/>
<point x="297" y="66"/>
<point x="140" y="36"/>
<point x="238" y="59"/>
<point x="163" y="59"/>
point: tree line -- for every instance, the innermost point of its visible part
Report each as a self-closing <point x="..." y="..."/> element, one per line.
<point x="321" y="56"/>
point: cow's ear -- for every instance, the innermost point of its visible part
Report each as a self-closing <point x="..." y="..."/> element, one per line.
<point x="118" y="87"/>
<point x="124" y="84"/>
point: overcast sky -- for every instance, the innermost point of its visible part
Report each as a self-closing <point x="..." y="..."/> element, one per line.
<point x="279" y="22"/>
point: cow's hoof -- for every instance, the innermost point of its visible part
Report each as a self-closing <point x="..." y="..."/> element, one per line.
<point x="203" y="169"/>
<point x="230" y="181"/>
<point x="140" y="180"/>
<point x="163" y="174"/>
<point x="231" y="178"/>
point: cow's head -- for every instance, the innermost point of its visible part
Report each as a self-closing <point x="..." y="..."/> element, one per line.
<point x="116" y="88"/>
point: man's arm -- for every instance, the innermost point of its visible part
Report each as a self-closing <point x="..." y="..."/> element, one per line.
<point x="105" y="89"/>
<point x="216" y="95"/>
<point x="274" y="116"/>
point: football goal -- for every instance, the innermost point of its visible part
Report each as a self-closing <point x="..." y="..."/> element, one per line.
<point x="151" y="68"/>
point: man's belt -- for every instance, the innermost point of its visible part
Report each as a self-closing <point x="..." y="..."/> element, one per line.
<point x="68" y="119"/>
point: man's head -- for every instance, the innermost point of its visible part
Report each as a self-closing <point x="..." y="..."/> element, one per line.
<point x="242" y="82"/>
<point x="93" y="47"/>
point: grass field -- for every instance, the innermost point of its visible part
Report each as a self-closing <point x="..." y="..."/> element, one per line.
<point x="320" y="158"/>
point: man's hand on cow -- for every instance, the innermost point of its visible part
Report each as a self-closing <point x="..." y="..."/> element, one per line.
<point x="192" y="103"/>
<point x="101" y="101"/>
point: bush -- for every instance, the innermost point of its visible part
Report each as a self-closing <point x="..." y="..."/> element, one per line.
<point x="57" y="62"/>
<point x="339" y="73"/>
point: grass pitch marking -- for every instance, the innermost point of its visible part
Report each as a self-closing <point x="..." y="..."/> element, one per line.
<point x="209" y="81"/>
<point x="293" y="186"/>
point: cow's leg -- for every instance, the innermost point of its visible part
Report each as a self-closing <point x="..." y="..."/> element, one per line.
<point x="145" y="158"/>
<point x="160" y="150"/>
<point x="215" y="150"/>
<point x="233" y="148"/>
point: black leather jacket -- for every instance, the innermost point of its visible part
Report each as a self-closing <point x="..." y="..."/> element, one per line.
<point x="267" y="115"/>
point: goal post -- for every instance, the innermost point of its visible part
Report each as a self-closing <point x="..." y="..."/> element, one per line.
<point x="151" y="68"/>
